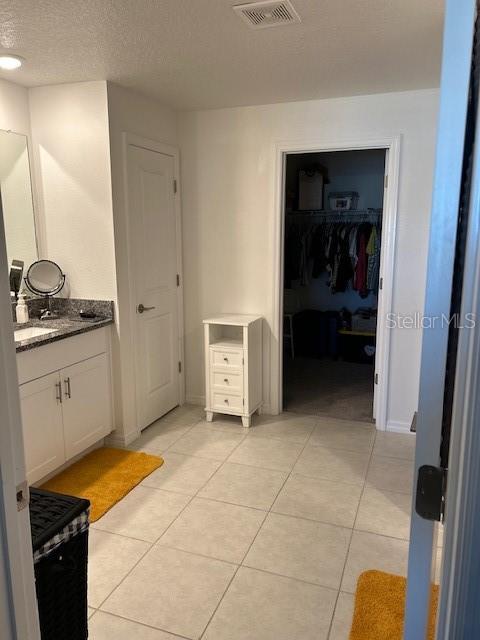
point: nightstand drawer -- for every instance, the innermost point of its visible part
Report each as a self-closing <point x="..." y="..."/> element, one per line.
<point x="226" y="402"/>
<point x="226" y="359"/>
<point x="227" y="382"/>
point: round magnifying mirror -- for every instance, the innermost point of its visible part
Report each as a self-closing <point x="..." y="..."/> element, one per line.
<point x="45" y="278"/>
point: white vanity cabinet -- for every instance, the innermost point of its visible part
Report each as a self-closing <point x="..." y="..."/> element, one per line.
<point x="233" y="362"/>
<point x="42" y="426"/>
<point x="66" y="400"/>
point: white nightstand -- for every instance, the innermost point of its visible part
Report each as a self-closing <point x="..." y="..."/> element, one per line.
<point x="233" y="366"/>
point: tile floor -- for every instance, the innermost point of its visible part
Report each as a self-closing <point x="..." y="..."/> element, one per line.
<point x="244" y="534"/>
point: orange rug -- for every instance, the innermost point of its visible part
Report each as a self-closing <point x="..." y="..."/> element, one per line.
<point x="380" y="606"/>
<point x="104" y="477"/>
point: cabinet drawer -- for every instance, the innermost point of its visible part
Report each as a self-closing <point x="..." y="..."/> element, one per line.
<point x="226" y="402"/>
<point x="227" y="381"/>
<point x="226" y="359"/>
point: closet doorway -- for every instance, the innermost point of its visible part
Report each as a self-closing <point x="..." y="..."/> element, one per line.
<point x="335" y="237"/>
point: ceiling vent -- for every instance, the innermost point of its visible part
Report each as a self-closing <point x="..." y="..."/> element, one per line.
<point x="260" y="15"/>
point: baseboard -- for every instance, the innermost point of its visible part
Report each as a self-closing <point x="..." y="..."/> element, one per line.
<point x="117" y="439"/>
<point x="399" y="427"/>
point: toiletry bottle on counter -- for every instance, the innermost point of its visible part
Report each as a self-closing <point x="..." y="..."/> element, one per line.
<point x="22" y="309"/>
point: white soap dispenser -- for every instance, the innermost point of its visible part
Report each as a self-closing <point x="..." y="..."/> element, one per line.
<point x="22" y="309"/>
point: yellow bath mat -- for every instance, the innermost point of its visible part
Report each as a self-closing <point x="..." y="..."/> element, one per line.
<point x="104" y="477"/>
<point x="380" y="606"/>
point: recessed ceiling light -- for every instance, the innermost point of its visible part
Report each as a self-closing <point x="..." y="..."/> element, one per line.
<point x="8" y="62"/>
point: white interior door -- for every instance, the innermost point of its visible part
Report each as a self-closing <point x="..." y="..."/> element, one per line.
<point x="454" y="101"/>
<point x="153" y="233"/>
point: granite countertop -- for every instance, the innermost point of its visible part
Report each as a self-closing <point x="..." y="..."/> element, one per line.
<point x="68" y="324"/>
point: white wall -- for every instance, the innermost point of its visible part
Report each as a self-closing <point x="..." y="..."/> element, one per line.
<point x="72" y="166"/>
<point x="129" y="112"/>
<point x="14" y="110"/>
<point x="228" y="195"/>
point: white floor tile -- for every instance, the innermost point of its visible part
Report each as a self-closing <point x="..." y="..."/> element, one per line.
<point x="159" y="436"/>
<point x="206" y="443"/>
<point x="231" y="424"/>
<point x="323" y="500"/>
<point x="187" y="412"/>
<point x="301" y="549"/>
<point x="214" y="529"/>
<point x="385" y="512"/>
<point x="110" y="558"/>
<point x="172" y="590"/>
<point x="286" y="426"/>
<point x="395" y="445"/>
<point x="144" y="513"/>
<point x="104" y="626"/>
<point x="341" y="434"/>
<point x="440" y="534"/>
<point x="244" y="485"/>
<point x="267" y="453"/>
<point x="390" y="474"/>
<point x="91" y="611"/>
<point x="262" y="606"/>
<point x="180" y="473"/>
<point x="371" y="551"/>
<point x="343" y="617"/>
<point x="438" y="565"/>
<point x="333" y="464"/>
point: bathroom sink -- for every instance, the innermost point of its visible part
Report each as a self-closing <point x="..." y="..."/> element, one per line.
<point x="31" y="332"/>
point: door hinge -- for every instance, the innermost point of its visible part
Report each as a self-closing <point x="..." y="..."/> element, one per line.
<point x="23" y="496"/>
<point x="178" y="280"/>
<point x="376" y="378"/>
<point x="179" y="367"/>
<point x="385" y="181"/>
<point x="380" y="283"/>
<point x="174" y="186"/>
<point x="431" y="489"/>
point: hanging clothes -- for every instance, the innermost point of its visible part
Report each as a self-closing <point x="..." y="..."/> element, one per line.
<point x="348" y="250"/>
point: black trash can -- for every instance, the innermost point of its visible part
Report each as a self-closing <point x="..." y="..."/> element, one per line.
<point x="59" y="526"/>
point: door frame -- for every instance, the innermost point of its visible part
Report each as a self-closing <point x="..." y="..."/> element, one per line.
<point x="460" y="577"/>
<point x="17" y="582"/>
<point x="173" y="151"/>
<point x="449" y="160"/>
<point x="391" y="145"/>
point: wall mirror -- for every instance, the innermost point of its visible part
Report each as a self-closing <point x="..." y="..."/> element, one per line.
<point x="16" y="201"/>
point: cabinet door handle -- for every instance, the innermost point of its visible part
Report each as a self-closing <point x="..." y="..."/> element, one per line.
<point x="226" y="359"/>
<point x="226" y="400"/>
<point x="58" y="386"/>
<point x="225" y="380"/>
<point x="68" y="389"/>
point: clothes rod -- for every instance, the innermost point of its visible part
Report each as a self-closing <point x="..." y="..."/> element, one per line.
<point x="326" y="212"/>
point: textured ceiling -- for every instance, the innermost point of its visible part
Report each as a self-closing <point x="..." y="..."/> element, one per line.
<point x="194" y="54"/>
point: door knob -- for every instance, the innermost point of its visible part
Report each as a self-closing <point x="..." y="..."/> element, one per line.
<point x="141" y="308"/>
